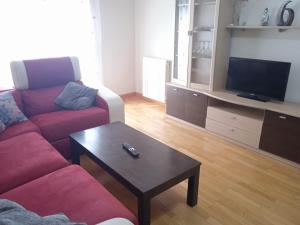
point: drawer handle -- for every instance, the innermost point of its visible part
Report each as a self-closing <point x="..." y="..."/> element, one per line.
<point x="196" y="95"/>
<point x="174" y="89"/>
<point x="283" y="117"/>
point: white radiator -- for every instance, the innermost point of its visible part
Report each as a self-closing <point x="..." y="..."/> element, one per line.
<point x="155" y="74"/>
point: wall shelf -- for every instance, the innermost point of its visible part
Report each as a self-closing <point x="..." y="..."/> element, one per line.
<point x="183" y="5"/>
<point x="201" y="57"/>
<point x="204" y="28"/>
<point x="280" y="28"/>
<point x="210" y="2"/>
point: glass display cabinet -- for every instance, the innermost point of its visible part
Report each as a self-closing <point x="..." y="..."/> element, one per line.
<point x="194" y="43"/>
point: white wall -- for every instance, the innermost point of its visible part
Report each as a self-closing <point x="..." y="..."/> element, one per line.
<point x="154" y="32"/>
<point x="117" y="22"/>
<point x="270" y="44"/>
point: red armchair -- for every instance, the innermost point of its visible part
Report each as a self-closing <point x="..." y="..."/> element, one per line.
<point x="38" y="83"/>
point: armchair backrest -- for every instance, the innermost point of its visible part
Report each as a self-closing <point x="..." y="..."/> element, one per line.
<point x="40" y="81"/>
<point x="44" y="73"/>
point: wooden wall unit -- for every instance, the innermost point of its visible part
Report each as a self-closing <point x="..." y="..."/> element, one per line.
<point x="273" y="127"/>
<point x="196" y="91"/>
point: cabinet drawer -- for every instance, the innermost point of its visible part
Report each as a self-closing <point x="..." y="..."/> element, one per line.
<point x="233" y="133"/>
<point x="247" y="123"/>
<point x="281" y="120"/>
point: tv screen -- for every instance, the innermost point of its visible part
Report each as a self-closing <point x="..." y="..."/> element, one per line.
<point x="258" y="77"/>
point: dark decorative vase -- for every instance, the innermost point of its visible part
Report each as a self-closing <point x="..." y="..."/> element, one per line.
<point x="281" y="21"/>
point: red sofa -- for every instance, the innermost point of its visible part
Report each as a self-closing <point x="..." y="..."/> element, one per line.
<point x="36" y="176"/>
<point x="32" y="172"/>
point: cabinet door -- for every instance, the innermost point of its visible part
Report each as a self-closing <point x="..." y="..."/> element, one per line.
<point x="195" y="108"/>
<point x="175" y="102"/>
<point x="203" y="27"/>
<point x="182" y="41"/>
<point x="281" y="136"/>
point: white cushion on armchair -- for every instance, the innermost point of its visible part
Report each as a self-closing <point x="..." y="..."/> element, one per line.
<point x="116" y="221"/>
<point x="115" y="104"/>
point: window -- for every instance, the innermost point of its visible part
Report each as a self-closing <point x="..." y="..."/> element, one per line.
<point x="34" y="29"/>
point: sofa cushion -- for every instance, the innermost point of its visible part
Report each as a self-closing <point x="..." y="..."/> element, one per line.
<point x="72" y="191"/>
<point x="25" y="158"/>
<point x="63" y="146"/>
<point x="58" y="125"/>
<point x="18" y="98"/>
<point x="101" y="103"/>
<point x="18" y="129"/>
<point x="76" y="96"/>
<point x="41" y="100"/>
<point x="9" y="111"/>
<point x="43" y="73"/>
<point x="2" y="127"/>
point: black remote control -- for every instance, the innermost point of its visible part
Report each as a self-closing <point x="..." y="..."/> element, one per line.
<point x="131" y="150"/>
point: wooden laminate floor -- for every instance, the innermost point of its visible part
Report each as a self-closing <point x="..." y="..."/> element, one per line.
<point x="237" y="186"/>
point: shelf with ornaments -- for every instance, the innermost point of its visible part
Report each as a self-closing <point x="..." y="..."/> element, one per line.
<point x="259" y="27"/>
<point x="284" y="19"/>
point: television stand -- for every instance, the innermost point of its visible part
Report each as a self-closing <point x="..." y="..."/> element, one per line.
<point x="254" y="97"/>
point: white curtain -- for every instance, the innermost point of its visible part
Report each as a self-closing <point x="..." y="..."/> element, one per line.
<point x="32" y="29"/>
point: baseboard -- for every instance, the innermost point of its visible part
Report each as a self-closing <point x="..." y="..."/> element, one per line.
<point x="131" y="94"/>
<point x="140" y="95"/>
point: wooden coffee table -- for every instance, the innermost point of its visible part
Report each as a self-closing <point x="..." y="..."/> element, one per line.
<point x="158" y="168"/>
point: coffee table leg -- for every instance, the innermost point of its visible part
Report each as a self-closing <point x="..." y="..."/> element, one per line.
<point x="144" y="210"/>
<point x="192" y="195"/>
<point x="75" y="153"/>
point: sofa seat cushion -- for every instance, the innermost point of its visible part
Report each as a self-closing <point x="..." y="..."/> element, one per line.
<point x="63" y="146"/>
<point x="41" y="101"/>
<point x="18" y="129"/>
<point x="58" y="125"/>
<point x="2" y="127"/>
<point x="25" y="158"/>
<point x="72" y="191"/>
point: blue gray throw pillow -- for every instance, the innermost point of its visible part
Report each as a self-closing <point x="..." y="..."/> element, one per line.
<point x="76" y="97"/>
<point x="11" y="213"/>
<point x="2" y="127"/>
<point x="9" y="111"/>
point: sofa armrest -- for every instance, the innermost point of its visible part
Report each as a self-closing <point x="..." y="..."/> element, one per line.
<point x="116" y="221"/>
<point x="114" y="103"/>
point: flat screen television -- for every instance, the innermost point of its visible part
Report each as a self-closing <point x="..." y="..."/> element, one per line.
<point x="258" y="79"/>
